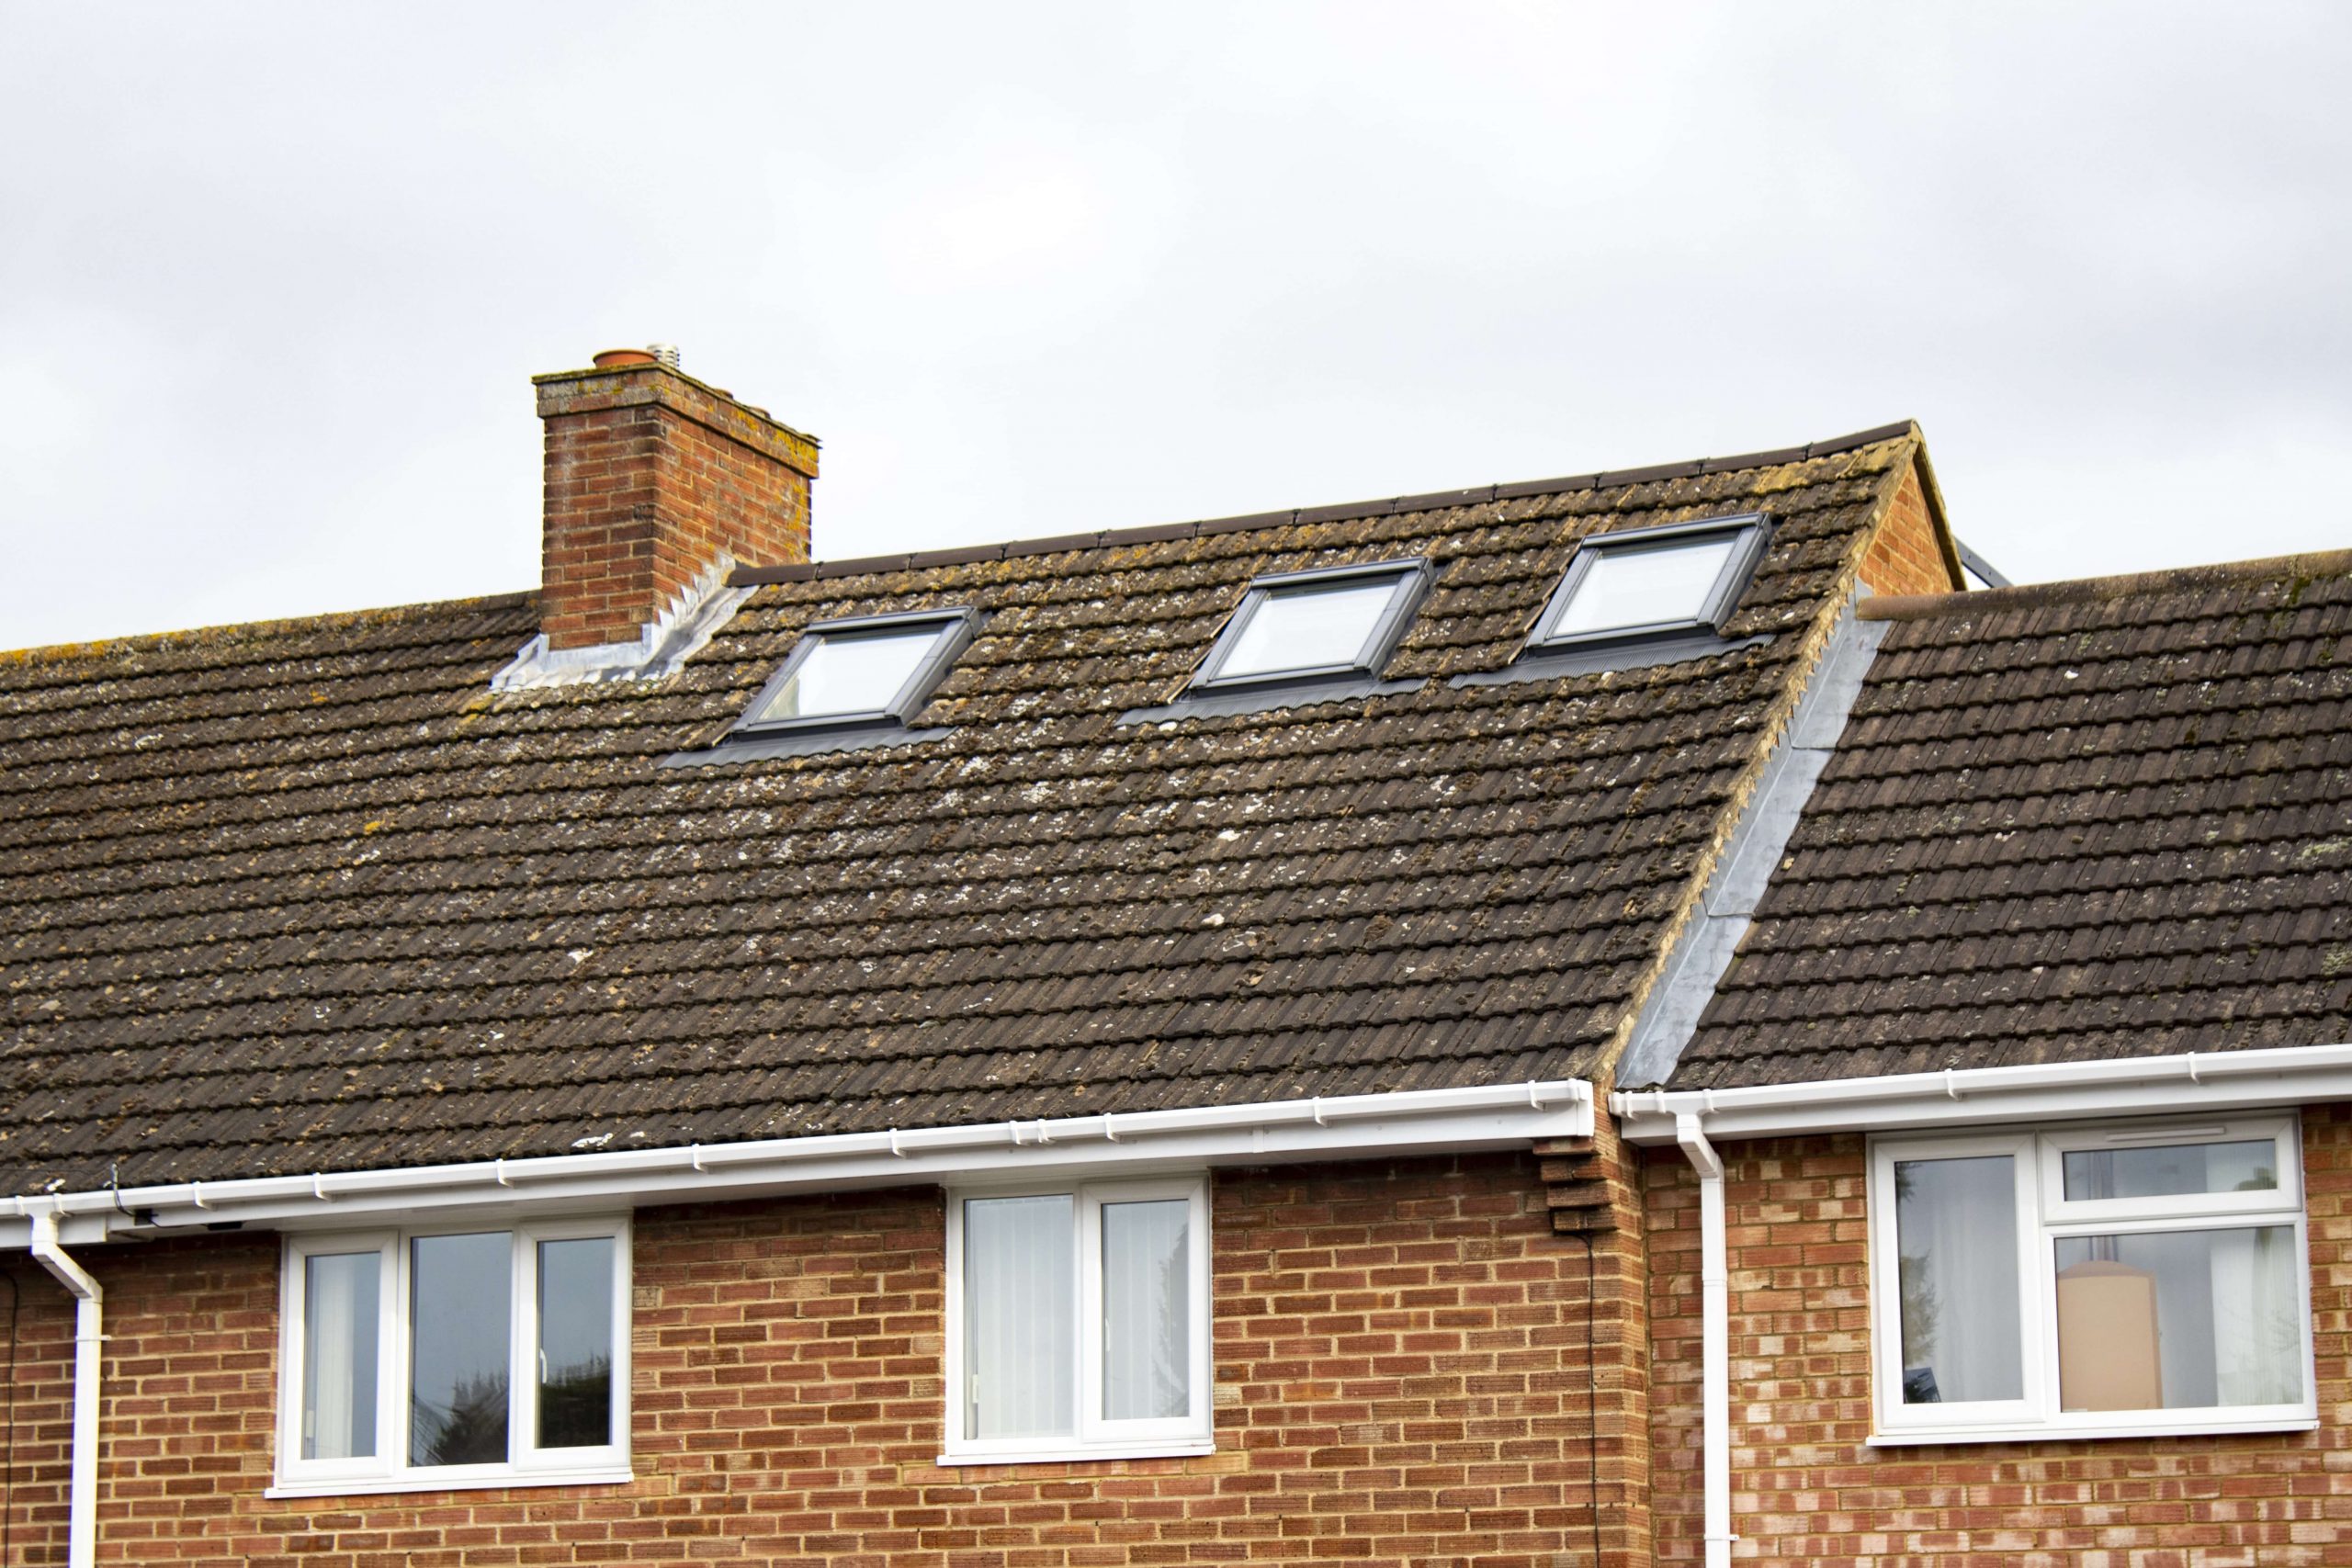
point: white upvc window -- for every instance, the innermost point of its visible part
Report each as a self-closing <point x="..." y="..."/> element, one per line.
<point x="1078" y="1321"/>
<point x="2100" y="1281"/>
<point x="481" y="1355"/>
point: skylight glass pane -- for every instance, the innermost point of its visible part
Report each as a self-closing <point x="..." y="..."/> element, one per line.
<point x="1311" y="626"/>
<point x="849" y="673"/>
<point x="1664" y="585"/>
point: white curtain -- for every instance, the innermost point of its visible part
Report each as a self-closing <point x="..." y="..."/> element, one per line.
<point x="2258" y="1319"/>
<point x="1147" y="1326"/>
<point x="1957" y="1240"/>
<point x="1020" y="1316"/>
<point x="339" y="1307"/>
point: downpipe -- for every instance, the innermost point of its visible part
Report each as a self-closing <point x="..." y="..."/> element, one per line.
<point x="82" y="1527"/>
<point x="1714" y="1340"/>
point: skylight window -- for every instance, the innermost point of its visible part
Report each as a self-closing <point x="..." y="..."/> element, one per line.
<point x="1306" y="625"/>
<point x="873" y="671"/>
<point x="1683" y="577"/>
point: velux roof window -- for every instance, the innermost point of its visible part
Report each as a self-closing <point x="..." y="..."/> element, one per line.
<point x="1645" y="583"/>
<point x="867" y="672"/>
<point x="1303" y="626"/>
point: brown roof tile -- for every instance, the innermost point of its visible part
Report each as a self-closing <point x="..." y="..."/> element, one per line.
<point x="308" y="896"/>
<point x="2068" y="821"/>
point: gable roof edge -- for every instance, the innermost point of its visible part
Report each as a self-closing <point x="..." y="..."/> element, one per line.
<point x="1810" y="663"/>
<point x="1704" y="950"/>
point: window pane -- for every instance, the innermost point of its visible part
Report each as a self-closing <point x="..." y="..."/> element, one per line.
<point x="339" y="1323"/>
<point x="2180" y="1319"/>
<point x="1020" y="1316"/>
<point x="1307" y="627"/>
<point x="851" y="672"/>
<point x="576" y="1343"/>
<point x="1661" y="585"/>
<point x="1956" y="1241"/>
<point x="460" y="1318"/>
<point x="1147" y="1326"/>
<point x="2167" y="1170"/>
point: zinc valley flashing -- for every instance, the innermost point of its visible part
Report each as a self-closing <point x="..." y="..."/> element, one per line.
<point x="1504" y="1116"/>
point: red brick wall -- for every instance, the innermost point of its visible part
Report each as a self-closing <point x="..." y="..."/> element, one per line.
<point x="650" y="477"/>
<point x="1400" y="1380"/>
<point x="1904" y="556"/>
<point x="1805" y="1490"/>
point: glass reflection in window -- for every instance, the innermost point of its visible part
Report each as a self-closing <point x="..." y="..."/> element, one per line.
<point x="1956" y="1241"/>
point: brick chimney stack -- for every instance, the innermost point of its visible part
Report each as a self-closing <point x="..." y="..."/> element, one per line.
<point x="652" y="480"/>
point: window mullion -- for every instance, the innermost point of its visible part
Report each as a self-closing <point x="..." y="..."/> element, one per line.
<point x="1088" y="1214"/>
<point x="523" y="1350"/>
<point x="394" y="1413"/>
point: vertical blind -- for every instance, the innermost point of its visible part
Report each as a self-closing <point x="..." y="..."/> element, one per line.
<point x="1020" y="1316"/>
<point x="1147" y="1328"/>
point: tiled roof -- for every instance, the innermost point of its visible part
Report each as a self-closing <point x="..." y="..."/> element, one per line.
<point x="2067" y="822"/>
<point x="308" y="896"/>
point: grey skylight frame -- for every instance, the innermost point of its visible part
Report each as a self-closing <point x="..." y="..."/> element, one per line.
<point x="957" y="628"/>
<point x="1754" y="531"/>
<point x="1414" y="575"/>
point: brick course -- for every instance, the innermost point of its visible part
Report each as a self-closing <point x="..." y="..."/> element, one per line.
<point x="1400" y="1380"/>
<point x="1806" y="1490"/>
<point x="651" y="478"/>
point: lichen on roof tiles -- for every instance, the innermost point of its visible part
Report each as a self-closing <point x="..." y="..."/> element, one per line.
<point x="306" y="896"/>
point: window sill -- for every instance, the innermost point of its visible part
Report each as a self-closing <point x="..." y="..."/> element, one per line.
<point x="2067" y="1434"/>
<point x="1166" y="1448"/>
<point x="478" y="1481"/>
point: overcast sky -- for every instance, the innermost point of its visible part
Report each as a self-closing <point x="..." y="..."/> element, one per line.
<point x="273" y="278"/>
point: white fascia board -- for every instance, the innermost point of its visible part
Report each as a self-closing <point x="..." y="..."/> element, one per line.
<point x="2209" y="1081"/>
<point x="1456" y="1120"/>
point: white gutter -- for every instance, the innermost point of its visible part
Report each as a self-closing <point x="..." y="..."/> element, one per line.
<point x="1351" y="1126"/>
<point x="2204" y="1080"/>
<point x="82" y="1511"/>
<point x="1714" y="1340"/>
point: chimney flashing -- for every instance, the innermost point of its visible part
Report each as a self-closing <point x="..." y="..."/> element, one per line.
<point x="679" y="633"/>
<point x="657" y="485"/>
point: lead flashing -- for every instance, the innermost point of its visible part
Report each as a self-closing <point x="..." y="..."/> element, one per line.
<point x="667" y="642"/>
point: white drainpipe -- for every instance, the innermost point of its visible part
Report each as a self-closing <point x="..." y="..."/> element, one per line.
<point x="1714" y="1338"/>
<point x="82" y="1537"/>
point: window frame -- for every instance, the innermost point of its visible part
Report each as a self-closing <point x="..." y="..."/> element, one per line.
<point x="1093" y="1437"/>
<point x="1753" y="531"/>
<point x="387" y="1469"/>
<point x="2045" y="1217"/>
<point x="956" y="626"/>
<point x="1413" y="577"/>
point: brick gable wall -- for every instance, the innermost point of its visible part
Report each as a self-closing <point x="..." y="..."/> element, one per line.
<point x="1904" y="556"/>
<point x="1806" y="1490"/>
<point x="1400" y="1366"/>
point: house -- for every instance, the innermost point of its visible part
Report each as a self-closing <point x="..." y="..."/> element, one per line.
<point x="1283" y="1038"/>
<point x="2014" y="1100"/>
